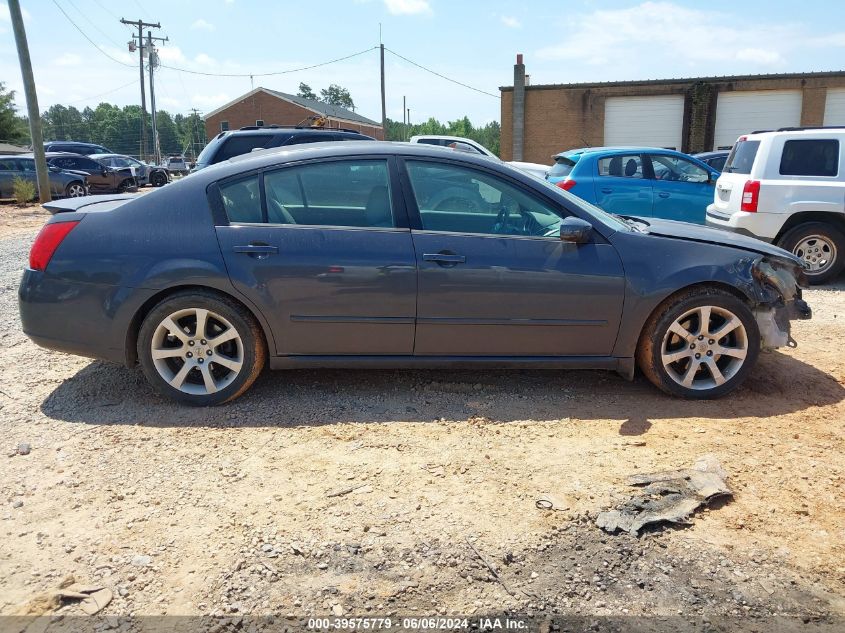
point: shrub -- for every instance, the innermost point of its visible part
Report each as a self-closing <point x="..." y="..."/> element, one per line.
<point x="23" y="189"/>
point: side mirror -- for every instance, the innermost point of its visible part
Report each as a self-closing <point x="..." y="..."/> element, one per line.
<point x="714" y="176"/>
<point x="575" y="230"/>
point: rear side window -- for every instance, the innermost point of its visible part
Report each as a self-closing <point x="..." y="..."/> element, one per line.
<point x="8" y="164"/>
<point x="562" y="168"/>
<point x="237" y="145"/>
<point x="242" y="200"/>
<point x="742" y="157"/>
<point x="810" y="157"/>
<point x="630" y="166"/>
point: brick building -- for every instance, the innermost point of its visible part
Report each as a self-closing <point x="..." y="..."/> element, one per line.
<point x="263" y="106"/>
<point x="691" y="115"/>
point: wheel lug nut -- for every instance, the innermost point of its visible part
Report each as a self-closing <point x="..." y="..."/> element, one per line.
<point x="208" y="352"/>
<point x="200" y="361"/>
<point x="711" y="341"/>
<point x="191" y="343"/>
<point x="698" y="355"/>
<point x="189" y="355"/>
<point x="692" y="346"/>
<point x="709" y="353"/>
<point x="701" y="338"/>
<point x="203" y="342"/>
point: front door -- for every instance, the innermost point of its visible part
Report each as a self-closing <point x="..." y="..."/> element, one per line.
<point x="621" y="185"/>
<point x="494" y="277"/>
<point x="682" y="189"/>
<point x="324" y="249"/>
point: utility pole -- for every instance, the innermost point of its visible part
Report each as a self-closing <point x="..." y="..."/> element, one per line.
<point x="404" y="121"/>
<point x="153" y="56"/>
<point x="383" y="106"/>
<point x="41" y="173"/>
<point x="141" y="24"/>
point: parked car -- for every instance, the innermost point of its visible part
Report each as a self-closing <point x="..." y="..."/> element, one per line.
<point x="101" y="178"/>
<point x="396" y="255"/>
<point x="75" y="147"/>
<point x="144" y="173"/>
<point x="243" y="141"/>
<point x="715" y="159"/>
<point x="788" y="187"/>
<point x="176" y="164"/>
<point x="62" y="183"/>
<point x="639" y="181"/>
<point x="535" y="169"/>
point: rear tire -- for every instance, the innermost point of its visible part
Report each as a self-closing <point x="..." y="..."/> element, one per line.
<point x="158" y="179"/>
<point x="700" y="343"/>
<point x="200" y="348"/>
<point x="821" y="246"/>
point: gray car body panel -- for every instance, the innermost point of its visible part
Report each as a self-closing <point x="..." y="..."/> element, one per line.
<point x="546" y="303"/>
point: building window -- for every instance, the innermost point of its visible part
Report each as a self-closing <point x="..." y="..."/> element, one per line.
<point x="224" y="126"/>
<point x="259" y="122"/>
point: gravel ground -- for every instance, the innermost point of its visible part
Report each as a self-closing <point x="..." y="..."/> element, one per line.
<point x="243" y="510"/>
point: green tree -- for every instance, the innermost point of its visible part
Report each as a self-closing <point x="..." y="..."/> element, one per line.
<point x="305" y="91"/>
<point x="337" y="95"/>
<point x="13" y="128"/>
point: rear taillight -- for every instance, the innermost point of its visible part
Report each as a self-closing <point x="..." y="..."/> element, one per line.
<point x="566" y="185"/>
<point x="750" y="196"/>
<point x="46" y="243"/>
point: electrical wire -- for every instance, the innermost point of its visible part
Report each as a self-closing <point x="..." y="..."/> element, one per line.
<point x="91" y="22"/>
<point x="433" y="72"/>
<point x="103" y="94"/>
<point x="94" y="44"/>
<point x="279" y="72"/>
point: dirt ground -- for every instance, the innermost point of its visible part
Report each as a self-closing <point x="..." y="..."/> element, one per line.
<point x="377" y="493"/>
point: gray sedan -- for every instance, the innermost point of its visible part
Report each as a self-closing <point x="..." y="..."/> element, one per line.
<point x="63" y="184"/>
<point x="395" y="255"/>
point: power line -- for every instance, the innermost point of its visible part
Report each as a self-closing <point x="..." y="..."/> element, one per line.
<point x="433" y="72"/>
<point x="91" y="22"/>
<point x="103" y="94"/>
<point x="76" y="26"/>
<point x="279" y="72"/>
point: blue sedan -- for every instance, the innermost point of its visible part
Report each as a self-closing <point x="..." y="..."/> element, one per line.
<point x="366" y="254"/>
<point x="640" y="181"/>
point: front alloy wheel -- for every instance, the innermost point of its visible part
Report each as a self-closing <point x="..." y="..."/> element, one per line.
<point x="75" y="190"/>
<point x="201" y="348"/>
<point x="699" y="343"/>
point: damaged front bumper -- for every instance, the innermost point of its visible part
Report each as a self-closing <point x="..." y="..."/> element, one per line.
<point x="776" y="284"/>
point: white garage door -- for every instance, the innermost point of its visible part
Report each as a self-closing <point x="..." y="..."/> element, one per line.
<point x="649" y="121"/>
<point x="834" y="107"/>
<point x="739" y="113"/>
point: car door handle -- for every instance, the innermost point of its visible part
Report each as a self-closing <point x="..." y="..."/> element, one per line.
<point x="606" y="190"/>
<point x="444" y="258"/>
<point x="256" y="249"/>
<point x="663" y="194"/>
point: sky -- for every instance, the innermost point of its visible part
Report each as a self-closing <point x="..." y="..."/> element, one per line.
<point x="474" y="42"/>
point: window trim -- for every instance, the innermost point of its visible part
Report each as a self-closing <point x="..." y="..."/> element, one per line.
<point x="416" y="218"/>
<point x="400" y="212"/>
<point x="222" y="124"/>
<point x="259" y="122"/>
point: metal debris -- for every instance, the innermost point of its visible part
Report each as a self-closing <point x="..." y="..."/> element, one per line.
<point x="670" y="496"/>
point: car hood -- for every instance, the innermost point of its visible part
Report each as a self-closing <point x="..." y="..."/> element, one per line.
<point x="708" y="235"/>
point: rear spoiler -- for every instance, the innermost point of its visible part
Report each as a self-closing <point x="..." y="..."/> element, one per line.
<point x="67" y="205"/>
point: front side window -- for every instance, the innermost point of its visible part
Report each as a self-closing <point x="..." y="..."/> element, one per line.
<point x="676" y="169"/>
<point x="628" y="166"/>
<point x="810" y="157"/>
<point x="343" y="193"/>
<point x="242" y="200"/>
<point x="462" y="200"/>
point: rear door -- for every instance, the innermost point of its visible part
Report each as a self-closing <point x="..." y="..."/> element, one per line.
<point x="682" y="188"/>
<point x="324" y="249"/>
<point x="8" y="172"/>
<point x="622" y="186"/>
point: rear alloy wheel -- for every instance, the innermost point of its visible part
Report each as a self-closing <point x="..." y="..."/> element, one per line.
<point x="699" y="344"/>
<point x="200" y="349"/>
<point x="158" y="179"/>
<point x="126" y="185"/>
<point x="75" y="190"/>
<point x="821" y="248"/>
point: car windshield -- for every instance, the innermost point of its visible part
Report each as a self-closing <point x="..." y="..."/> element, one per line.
<point x="742" y="157"/>
<point x="613" y="221"/>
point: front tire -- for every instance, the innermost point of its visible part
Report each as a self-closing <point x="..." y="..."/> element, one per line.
<point x="200" y="348"/>
<point x="701" y="343"/>
<point x="158" y="179"/>
<point x="75" y="190"/>
<point x="821" y="246"/>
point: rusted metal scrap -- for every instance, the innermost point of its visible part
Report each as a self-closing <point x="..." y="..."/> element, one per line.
<point x="670" y="496"/>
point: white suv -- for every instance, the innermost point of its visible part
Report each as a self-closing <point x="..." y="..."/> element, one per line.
<point x="788" y="187"/>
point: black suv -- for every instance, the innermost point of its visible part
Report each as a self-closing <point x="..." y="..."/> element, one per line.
<point x="75" y="147"/>
<point x="236" y="142"/>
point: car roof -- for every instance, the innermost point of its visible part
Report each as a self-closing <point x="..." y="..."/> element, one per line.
<point x="620" y="149"/>
<point x="279" y="129"/>
<point x="798" y="131"/>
